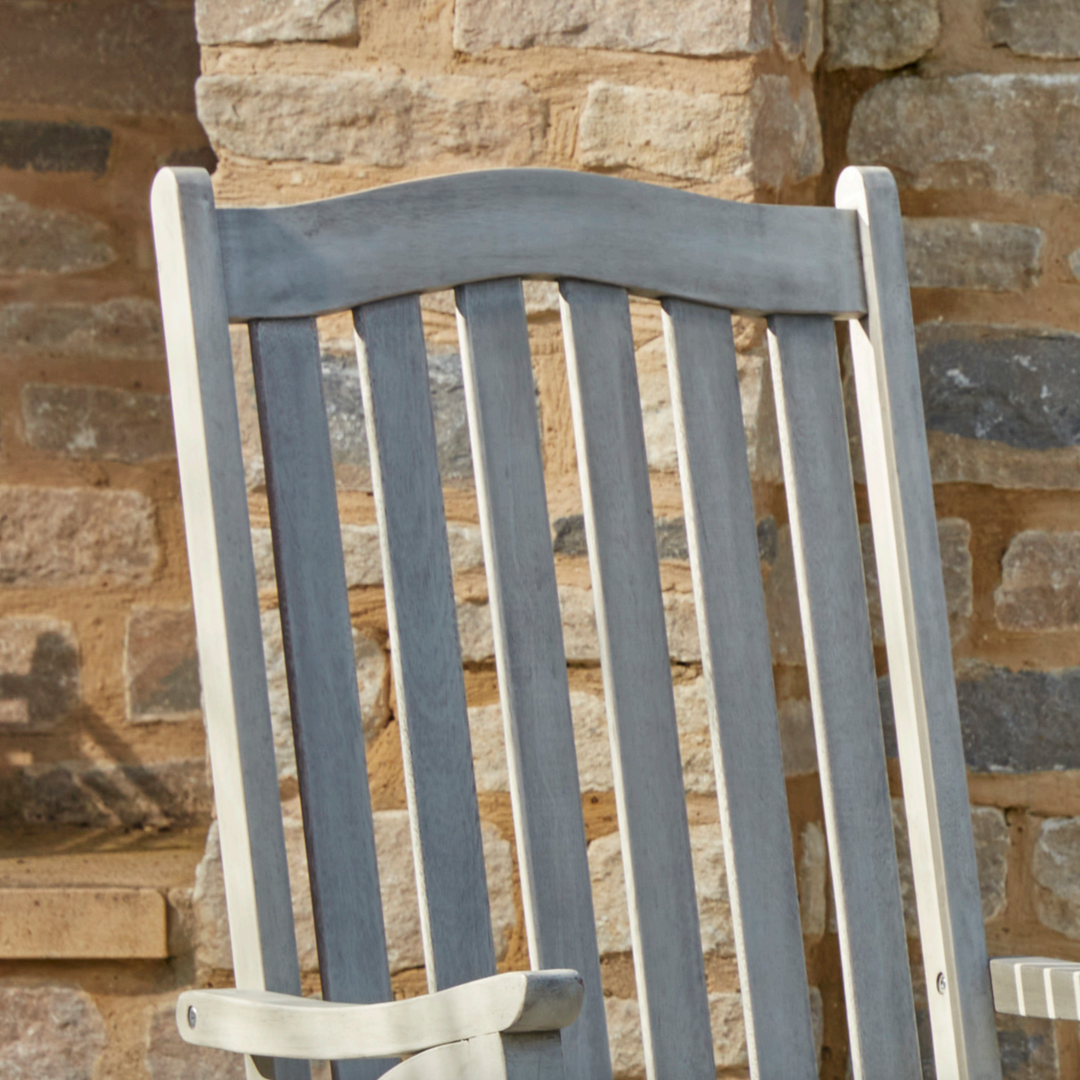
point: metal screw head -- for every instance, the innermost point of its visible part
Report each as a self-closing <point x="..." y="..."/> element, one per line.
<point x="942" y="984"/>
<point x="192" y="1017"/>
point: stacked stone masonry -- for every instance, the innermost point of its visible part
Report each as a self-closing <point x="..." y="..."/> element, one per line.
<point x="104" y="785"/>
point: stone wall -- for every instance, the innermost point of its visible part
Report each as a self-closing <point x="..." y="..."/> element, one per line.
<point x="102" y="776"/>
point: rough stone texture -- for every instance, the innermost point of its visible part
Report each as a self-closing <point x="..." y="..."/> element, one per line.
<point x="991" y="852"/>
<point x="710" y="880"/>
<point x="1010" y="133"/>
<point x="397" y="884"/>
<point x="36" y="240"/>
<point x="98" y="422"/>
<point x="128" y="328"/>
<point x="1055" y="866"/>
<point x="50" y="147"/>
<point x="53" y="1032"/>
<point x="1027" y="1047"/>
<point x="371" y="118"/>
<point x="76" y="537"/>
<point x="689" y="28"/>
<point x="1044" y="28"/>
<point x="961" y="253"/>
<point x="765" y="137"/>
<point x="371" y="678"/>
<point x="252" y="22"/>
<point x="797" y="737"/>
<point x="39" y="673"/>
<point x="156" y="795"/>
<point x="671" y="544"/>
<point x="168" y="1057"/>
<point x="161" y="665"/>
<point x="813" y="880"/>
<point x="1074" y="262"/>
<point x="1040" y="582"/>
<point x="800" y="29"/>
<point x="882" y="34"/>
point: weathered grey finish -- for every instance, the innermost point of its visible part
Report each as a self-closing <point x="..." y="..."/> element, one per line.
<point x="321" y="669"/>
<point x="917" y="639"/>
<point x="637" y="681"/>
<point x="438" y="233"/>
<point x="1035" y="986"/>
<point x="529" y="652"/>
<point x="724" y="562"/>
<point x="843" y="694"/>
<point x="426" y="657"/>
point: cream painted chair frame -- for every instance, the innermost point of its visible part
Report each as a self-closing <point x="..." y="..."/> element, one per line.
<point x="601" y="238"/>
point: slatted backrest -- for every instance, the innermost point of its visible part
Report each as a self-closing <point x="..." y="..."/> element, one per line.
<point x="601" y="238"/>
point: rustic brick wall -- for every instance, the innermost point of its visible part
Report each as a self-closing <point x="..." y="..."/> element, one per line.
<point x="102" y="779"/>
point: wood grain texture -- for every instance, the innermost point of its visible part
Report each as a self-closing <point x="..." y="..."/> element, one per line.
<point x="917" y="638"/>
<point x="637" y="681"/>
<point x="321" y="669"/>
<point x="235" y="703"/>
<point x="488" y="1057"/>
<point x="843" y="694"/>
<point x="450" y="230"/>
<point x="425" y="652"/>
<point x="1036" y="986"/>
<point x="529" y="653"/>
<point x="736" y="658"/>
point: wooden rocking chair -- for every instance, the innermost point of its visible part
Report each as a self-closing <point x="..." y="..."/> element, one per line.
<point x="601" y="238"/>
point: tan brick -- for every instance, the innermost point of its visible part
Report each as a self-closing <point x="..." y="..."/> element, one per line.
<point x="128" y="328"/>
<point x="253" y="22"/>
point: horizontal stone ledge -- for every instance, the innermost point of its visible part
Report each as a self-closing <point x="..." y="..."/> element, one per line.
<point x="82" y="924"/>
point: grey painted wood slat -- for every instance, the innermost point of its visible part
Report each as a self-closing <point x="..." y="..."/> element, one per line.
<point x="529" y="653"/>
<point x="224" y="591"/>
<point x="843" y="693"/>
<point x="637" y="681"/>
<point x="737" y="664"/>
<point x="917" y="638"/>
<point x="449" y="230"/>
<point x="321" y="670"/>
<point x="425" y="652"/>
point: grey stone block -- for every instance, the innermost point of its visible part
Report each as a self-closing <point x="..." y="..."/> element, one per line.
<point x="49" y="1033"/>
<point x="1044" y="28"/>
<point x="38" y="240"/>
<point x="51" y="147"/>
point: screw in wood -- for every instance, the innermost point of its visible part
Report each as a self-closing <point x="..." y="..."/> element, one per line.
<point x="192" y="1017"/>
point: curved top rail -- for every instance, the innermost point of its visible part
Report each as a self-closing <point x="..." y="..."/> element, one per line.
<point x="424" y="235"/>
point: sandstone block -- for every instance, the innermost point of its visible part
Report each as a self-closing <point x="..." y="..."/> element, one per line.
<point x="1040" y="582"/>
<point x="813" y="881"/>
<point x="51" y="147"/>
<point x="371" y="678"/>
<point x="36" y="240"/>
<point x="253" y="22"/>
<point x="168" y="1057"/>
<point x="39" y="673"/>
<point x="128" y="328"/>
<point x="371" y="118"/>
<point x="882" y="34"/>
<point x="81" y="537"/>
<point x="161" y="665"/>
<point x="98" y="422"/>
<point x="800" y="29"/>
<point x="694" y="28"/>
<point x="49" y="1031"/>
<point x="766" y="137"/>
<point x="1056" y="869"/>
<point x="960" y="253"/>
<point x="973" y="131"/>
<point x="1046" y="28"/>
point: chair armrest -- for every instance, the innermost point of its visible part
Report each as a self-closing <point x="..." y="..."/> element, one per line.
<point x="266" y="1024"/>
<point x="1036" y="986"/>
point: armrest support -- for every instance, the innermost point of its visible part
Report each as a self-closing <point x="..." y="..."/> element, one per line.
<point x="1036" y="986"/>
<point x="266" y="1024"/>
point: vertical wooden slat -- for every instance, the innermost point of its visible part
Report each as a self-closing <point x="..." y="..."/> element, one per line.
<point x="224" y="591"/>
<point x="843" y="693"/>
<point x="529" y="653"/>
<point x="425" y="652"/>
<point x="719" y="510"/>
<point x="637" y="681"/>
<point x="321" y="669"/>
<point x="917" y="638"/>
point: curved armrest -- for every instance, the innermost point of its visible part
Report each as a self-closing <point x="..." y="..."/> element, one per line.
<point x="1035" y="986"/>
<point x="279" y="1025"/>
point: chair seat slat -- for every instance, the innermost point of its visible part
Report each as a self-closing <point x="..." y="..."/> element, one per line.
<point x="735" y="654"/>
<point x="529" y="653"/>
<point x="843" y="693"/>
<point x="637" y="681"/>
<point x="425" y="653"/>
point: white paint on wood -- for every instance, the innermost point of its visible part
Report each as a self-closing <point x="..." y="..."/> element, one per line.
<point x="1036" y="986"/>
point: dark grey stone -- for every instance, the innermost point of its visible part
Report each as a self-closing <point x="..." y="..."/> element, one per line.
<point x="48" y="147"/>
<point x="767" y="540"/>
<point x="790" y="24"/>
<point x="1011" y="721"/>
<point x="50" y="687"/>
<point x="1013" y="386"/>
<point x="1027" y="1046"/>
<point x="570" y="536"/>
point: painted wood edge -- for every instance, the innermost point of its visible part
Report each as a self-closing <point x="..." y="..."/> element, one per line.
<point x="489" y="1057"/>
<point x="1036" y="986"/>
<point x="437" y="233"/>
<point x="284" y="1026"/>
